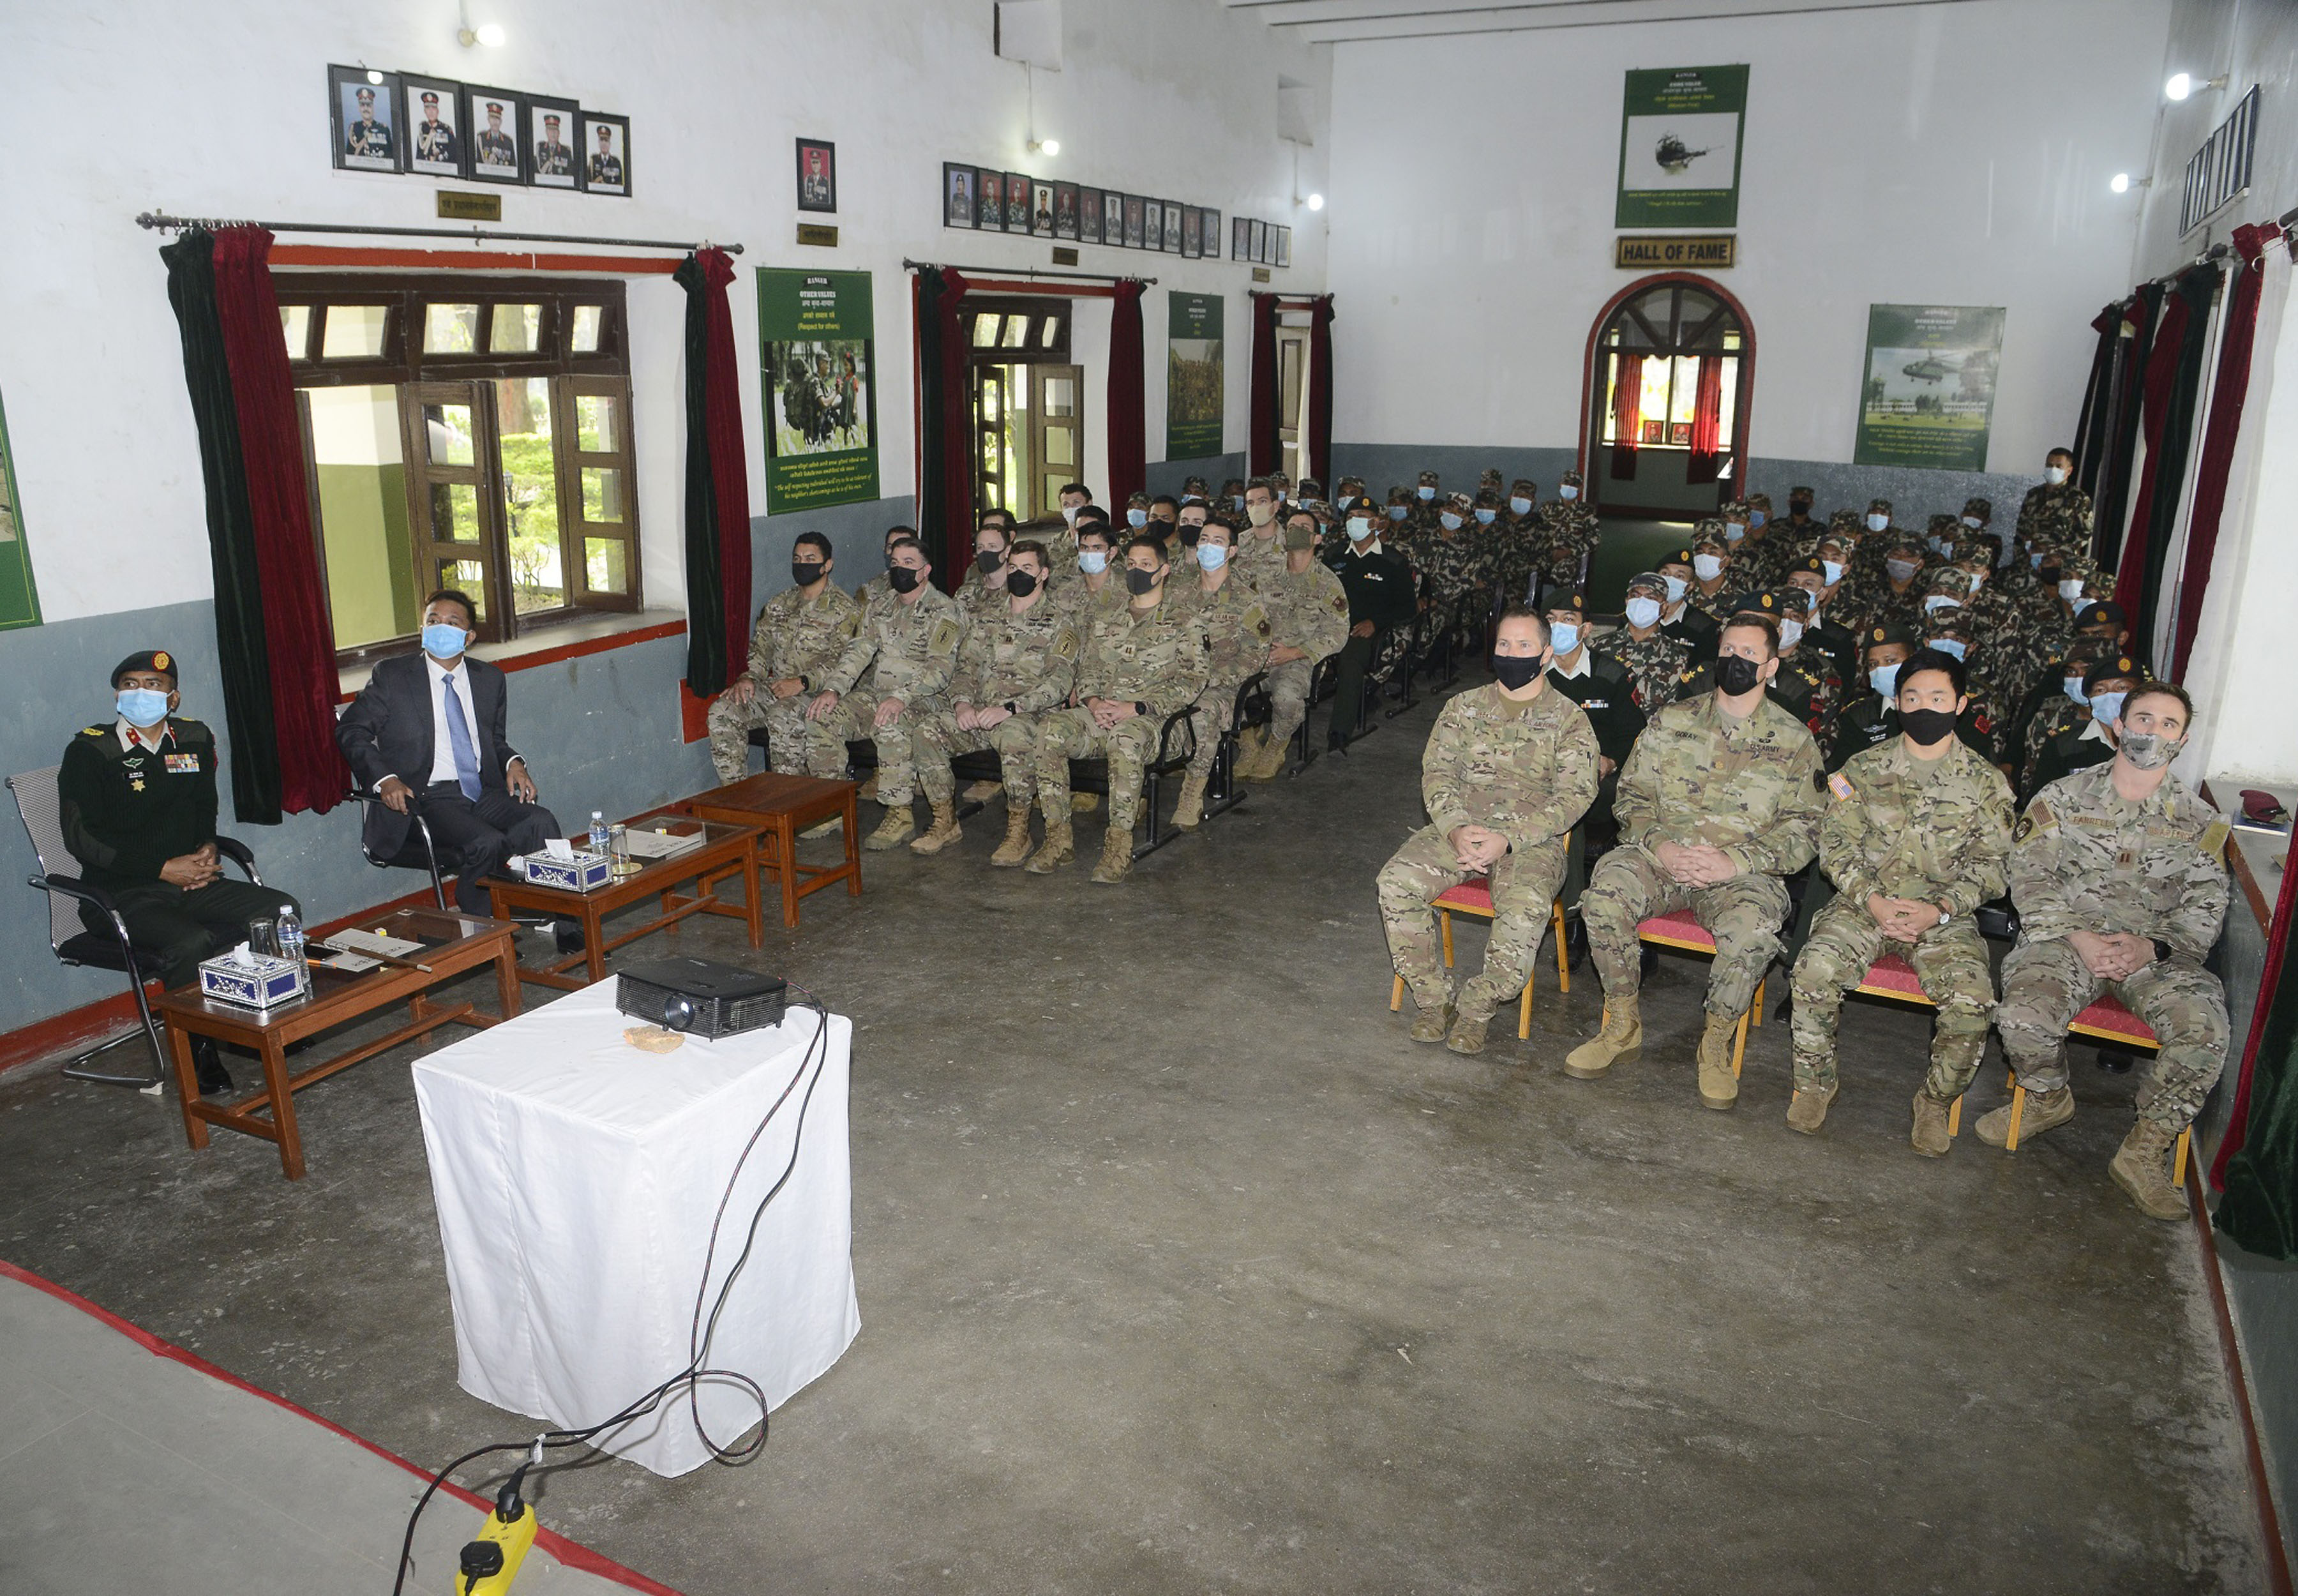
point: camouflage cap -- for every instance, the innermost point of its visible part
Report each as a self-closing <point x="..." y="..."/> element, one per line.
<point x="1571" y="479"/>
<point x="1708" y="530"/>
<point x="1352" y="487"/>
<point x="1978" y="545"/>
<point x="1399" y="495"/>
<point x="1429" y="479"/>
<point x="1879" y="507"/>
<point x="1906" y="542"/>
<point x="1282" y="481"/>
<point x="1953" y="581"/>
<point x="1195" y="485"/>
<point x="1309" y="487"/>
<point x="1491" y="478"/>
<point x="1800" y="492"/>
<point x="1137" y="501"/>
<point x="1884" y="634"/>
<point x="2087" y="651"/>
<point x="1235" y="485"/>
<point x="1841" y="542"/>
<point x="1459" y="501"/>
<point x="1941" y="522"/>
<point x="1523" y="487"/>
<point x="2120" y="666"/>
<point x="1949" y="620"/>
<point x="1843" y="520"/>
<point x="1794" y="600"/>
<point x="1733" y="510"/>
<point x="1488" y="498"/>
<point x="2102" y="612"/>
<point x="1762" y="501"/>
<point x="1981" y="507"/>
<point x="1652" y="582"/>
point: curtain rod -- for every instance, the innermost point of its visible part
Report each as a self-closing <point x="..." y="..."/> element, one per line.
<point x="160" y="219"/>
<point x="1026" y="271"/>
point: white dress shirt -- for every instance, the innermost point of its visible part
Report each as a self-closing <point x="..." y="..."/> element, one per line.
<point x="1577" y="672"/>
<point x="442" y="747"/>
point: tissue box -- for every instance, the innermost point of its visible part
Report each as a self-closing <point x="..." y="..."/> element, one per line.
<point x="263" y="984"/>
<point x="580" y="873"/>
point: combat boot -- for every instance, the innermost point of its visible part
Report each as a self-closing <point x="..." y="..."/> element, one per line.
<point x="1807" y="1110"/>
<point x="1058" y="849"/>
<point x="981" y="792"/>
<point x="1719" y="1089"/>
<point x="869" y="789"/>
<point x="2044" y="1111"/>
<point x="1016" y="846"/>
<point x="2140" y="1168"/>
<point x="1623" y="1037"/>
<point x="1191" y="809"/>
<point x="1084" y="803"/>
<point x="1268" y="762"/>
<point x="1434" y="1019"/>
<point x="1930" y="1136"/>
<point x="1468" y="1033"/>
<point x="944" y="831"/>
<point x="898" y="826"/>
<point x="1116" y="857"/>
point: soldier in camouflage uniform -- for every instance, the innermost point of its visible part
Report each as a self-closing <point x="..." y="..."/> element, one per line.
<point x="1804" y="685"/>
<point x="1017" y="663"/>
<point x="983" y="588"/>
<point x="1257" y="547"/>
<point x="1896" y="596"/>
<point x="2090" y="739"/>
<point x="1712" y="591"/>
<point x="1801" y="532"/>
<point x="1913" y="840"/>
<point x="1523" y="540"/>
<point x="1488" y="567"/>
<point x="1761" y="557"/>
<point x="1235" y="621"/>
<point x="1508" y="771"/>
<point x="1447" y="566"/>
<point x="877" y="584"/>
<point x="2120" y="876"/>
<point x="1718" y="802"/>
<point x="1308" y="612"/>
<point x="1427" y="503"/>
<point x="1654" y="660"/>
<point x="1572" y="534"/>
<point x="800" y="634"/>
<point x="2055" y="513"/>
<point x="2056" y="704"/>
<point x="889" y="681"/>
<point x="1142" y="664"/>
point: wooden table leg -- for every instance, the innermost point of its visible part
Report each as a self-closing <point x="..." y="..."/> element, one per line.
<point x="506" y="980"/>
<point x="187" y="1089"/>
<point x="853" y="846"/>
<point x="785" y="835"/>
<point x="595" y="933"/>
<point x="754" y="897"/>
<point x="283" y="1107"/>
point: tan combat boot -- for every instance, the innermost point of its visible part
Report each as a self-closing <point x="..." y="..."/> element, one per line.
<point x="981" y="792"/>
<point x="2141" y="1167"/>
<point x="1191" y="809"/>
<point x="1016" y="846"/>
<point x="1930" y="1136"/>
<point x="1468" y="1033"/>
<point x="1116" y="860"/>
<point x="1623" y="1037"/>
<point x="1084" y="803"/>
<point x="944" y="831"/>
<point x="1807" y="1110"/>
<point x="869" y="789"/>
<point x="1719" y="1089"/>
<point x="1434" y="1019"/>
<point x="1058" y="849"/>
<point x="2044" y="1111"/>
<point x="1268" y="762"/>
<point x="898" y="826"/>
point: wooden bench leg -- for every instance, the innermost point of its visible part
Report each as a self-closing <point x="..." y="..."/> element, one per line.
<point x="1396" y="996"/>
<point x="1756" y="1009"/>
<point x="1954" y="1117"/>
<point x="2018" y="1108"/>
<point x="2178" y="1160"/>
<point x="1524" y="1015"/>
<point x="1563" y="962"/>
<point x="1739" y="1042"/>
<point x="1445" y="917"/>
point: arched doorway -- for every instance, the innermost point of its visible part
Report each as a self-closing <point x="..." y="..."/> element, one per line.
<point x="1674" y="444"/>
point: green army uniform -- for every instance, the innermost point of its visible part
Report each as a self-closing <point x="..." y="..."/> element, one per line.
<point x="1237" y="632"/>
<point x="1422" y="522"/>
<point x="899" y="650"/>
<point x="2059" y="516"/>
<point x="1871" y="720"/>
<point x="1523" y="540"/>
<point x="1085" y="605"/>
<point x="1933" y="831"/>
<point x="1255" y="554"/>
<point x="1026" y="663"/>
<point x="1308" y="610"/>
<point x="1524" y="769"/>
<point x="794" y="638"/>
<point x="1654" y="665"/>
<point x="1570" y="535"/>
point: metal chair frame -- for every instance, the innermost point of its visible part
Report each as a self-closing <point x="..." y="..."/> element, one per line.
<point x="405" y="858"/>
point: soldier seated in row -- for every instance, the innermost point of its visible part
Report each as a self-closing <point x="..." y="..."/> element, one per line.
<point x="2088" y="738"/>
<point x="983" y="586"/>
<point x="1871" y="716"/>
<point x="1508" y="770"/>
<point x="1237" y="636"/>
<point x="1654" y="658"/>
<point x="1913" y="840"/>
<point x="799" y="636"/>
<point x="1308" y="611"/>
<point x="2119" y="872"/>
<point x="1600" y="685"/>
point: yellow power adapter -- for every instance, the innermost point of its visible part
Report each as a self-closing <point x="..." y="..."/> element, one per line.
<point x="490" y="1562"/>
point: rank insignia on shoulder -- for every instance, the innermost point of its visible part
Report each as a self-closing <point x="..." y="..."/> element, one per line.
<point x="2213" y="839"/>
<point x="1841" y="786"/>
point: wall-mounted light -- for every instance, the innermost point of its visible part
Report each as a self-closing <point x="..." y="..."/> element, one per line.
<point x="2123" y="182"/>
<point x="2183" y="84"/>
<point x="489" y="34"/>
<point x="1046" y="146"/>
<point x="372" y="76"/>
<point x="1315" y="202"/>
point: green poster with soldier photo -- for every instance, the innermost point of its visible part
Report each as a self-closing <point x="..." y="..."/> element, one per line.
<point x="817" y="357"/>
<point x="20" y="601"/>
<point x="1926" y="390"/>
<point x="1193" y="376"/>
<point x="1680" y="139"/>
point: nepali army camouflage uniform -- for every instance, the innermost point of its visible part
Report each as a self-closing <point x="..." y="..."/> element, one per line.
<point x="1522" y="542"/>
<point x="1028" y="660"/>
<point x="1934" y="830"/>
<point x="1570" y="533"/>
<point x="1750" y="788"/>
<point x="1654" y="665"/>
<point x="1237" y="631"/>
<point x="2084" y="859"/>
<point x="2056" y="517"/>
<point x="792" y="638"/>
<point x="1525" y="769"/>
<point x="1157" y="660"/>
<point x="1309" y="611"/>
<point x="900" y="650"/>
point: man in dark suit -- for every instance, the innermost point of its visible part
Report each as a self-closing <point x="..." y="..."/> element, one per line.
<point x="426" y="735"/>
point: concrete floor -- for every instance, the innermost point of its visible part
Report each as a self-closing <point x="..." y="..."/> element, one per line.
<point x="1181" y="1268"/>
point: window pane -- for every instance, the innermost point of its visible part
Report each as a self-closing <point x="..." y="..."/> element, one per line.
<point x="354" y="332"/>
<point x="469" y="576"/>
<point x="597" y="424"/>
<point x="1051" y="334"/>
<point x="1061" y="396"/>
<point x="1687" y="392"/>
<point x="1653" y="409"/>
<point x="295" y="326"/>
<point x="450" y="329"/>
<point x="515" y="330"/>
<point x="447" y="428"/>
<point x="530" y="481"/>
<point x="606" y="565"/>
<point x="1727" y="412"/>
<point x="602" y="495"/>
<point x="360" y="482"/>
<point x="1016" y="332"/>
<point x="454" y="512"/>
<point x="1060" y="447"/>
<point x="985" y="332"/>
<point x="588" y="321"/>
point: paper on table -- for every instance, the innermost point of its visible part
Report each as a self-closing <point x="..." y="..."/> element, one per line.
<point x="358" y="942"/>
<point x="657" y="845"/>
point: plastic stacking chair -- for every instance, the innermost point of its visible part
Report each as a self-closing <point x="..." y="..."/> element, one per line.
<point x="1474" y="897"/>
<point x="1681" y="930"/>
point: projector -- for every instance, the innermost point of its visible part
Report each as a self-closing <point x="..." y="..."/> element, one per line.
<point x="699" y="997"/>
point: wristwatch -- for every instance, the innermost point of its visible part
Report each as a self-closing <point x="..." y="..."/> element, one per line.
<point x="2161" y="949"/>
<point x="1009" y="709"/>
<point x="1945" y="914"/>
<point x="1139" y="707"/>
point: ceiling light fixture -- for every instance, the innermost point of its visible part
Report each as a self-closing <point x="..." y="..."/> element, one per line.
<point x="2183" y="84"/>
<point x="1315" y="202"/>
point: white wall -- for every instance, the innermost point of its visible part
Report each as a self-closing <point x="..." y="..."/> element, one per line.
<point x="2252" y="42"/>
<point x="220" y="109"/>
<point x="1949" y="155"/>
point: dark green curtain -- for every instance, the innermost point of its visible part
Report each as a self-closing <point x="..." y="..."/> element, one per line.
<point x="705" y="624"/>
<point x="2196" y="288"/>
<point x="245" y="664"/>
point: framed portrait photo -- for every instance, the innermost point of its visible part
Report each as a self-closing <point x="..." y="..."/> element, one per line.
<point x="1152" y="224"/>
<point x="1134" y="213"/>
<point x="1260" y="253"/>
<point x="1240" y="239"/>
<point x="363" y="112"/>
<point x="989" y="201"/>
<point x="956" y="196"/>
<point x="553" y="125"/>
<point x="817" y="175"/>
<point x="431" y="116"/>
<point x="1193" y="232"/>
<point x="1283" y="246"/>
<point x="1065" y="210"/>
<point x="491" y="129"/>
<point x="604" y="151"/>
<point x="1041" y="210"/>
<point x="1089" y="203"/>
<point x="1017" y="202"/>
<point x="1112" y="219"/>
<point x="1212" y="234"/>
<point x="1172" y="227"/>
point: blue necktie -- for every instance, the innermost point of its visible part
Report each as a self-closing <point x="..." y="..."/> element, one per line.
<point x="458" y="740"/>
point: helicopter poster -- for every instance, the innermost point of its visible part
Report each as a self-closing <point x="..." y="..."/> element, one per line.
<point x="1927" y="392"/>
<point x="1680" y="137"/>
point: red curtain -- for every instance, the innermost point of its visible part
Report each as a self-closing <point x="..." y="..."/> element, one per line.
<point x="1261" y="453"/>
<point x="2218" y="440"/>
<point x="1320" y="388"/>
<point x="299" y="637"/>
<point x="959" y="442"/>
<point x="729" y="473"/>
<point x="1707" y="422"/>
<point x="1129" y="447"/>
<point x="2162" y="372"/>
<point x="1627" y="417"/>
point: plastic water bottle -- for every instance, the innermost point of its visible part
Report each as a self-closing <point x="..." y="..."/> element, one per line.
<point x="602" y="838"/>
<point x="290" y="930"/>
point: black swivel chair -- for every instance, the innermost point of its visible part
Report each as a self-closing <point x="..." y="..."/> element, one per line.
<point x="417" y="853"/>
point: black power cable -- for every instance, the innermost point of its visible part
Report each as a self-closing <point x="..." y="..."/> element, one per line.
<point x="699" y="1335"/>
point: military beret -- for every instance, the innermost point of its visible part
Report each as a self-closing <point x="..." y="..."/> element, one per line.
<point x="1886" y="633"/>
<point x="1801" y="492"/>
<point x="1765" y="604"/>
<point x="1651" y="579"/>
<point x="1527" y="484"/>
<point x="1429" y="478"/>
<point x="2107" y="670"/>
<point x="1571" y="479"/>
<point x="151" y="659"/>
<point x="1813" y="564"/>
<point x="1682" y="557"/>
<point x="1983" y="509"/>
<point x="1879" y="507"/>
<point x="1576" y="602"/>
<point x="2102" y="609"/>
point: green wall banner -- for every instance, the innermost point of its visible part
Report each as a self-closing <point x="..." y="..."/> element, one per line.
<point x="1193" y="376"/>
<point x="1680" y="135"/>
<point x="818" y="362"/>
<point x="20" y="601"/>
<point x="1927" y="392"/>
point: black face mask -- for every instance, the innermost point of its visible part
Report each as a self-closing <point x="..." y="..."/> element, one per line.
<point x="1139" y="582"/>
<point x="2049" y="574"/>
<point x="1737" y="674"/>
<point x="901" y="579"/>
<point x="1189" y="534"/>
<point x="1799" y="507"/>
<point x="988" y="561"/>
<point x="806" y="573"/>
<point x="1020" y="584"/>
<point x="1516" y="671"/>
<point x="1927" y="726"/>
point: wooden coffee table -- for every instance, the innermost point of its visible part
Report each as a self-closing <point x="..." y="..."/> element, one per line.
<point x="729" y="851"/>
<point x="453" y="944"/>
<point x="780" y="807"/>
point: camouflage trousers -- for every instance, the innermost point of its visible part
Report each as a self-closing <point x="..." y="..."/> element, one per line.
<point x="784" y="719"/>
<point x="1523" y="885"/>
<point x="1067" y="734"/>
<point x="1014" y="738"/>
<point x="1951" y="963"/>
<point x="1743" y="914"/>
<point x="2046" y="984"/>
<point x="1216" y="714"/>
<point x="1288" y="697"/>
<point x="896" y="743"/>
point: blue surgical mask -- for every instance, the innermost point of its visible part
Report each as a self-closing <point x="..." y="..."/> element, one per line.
<point x="2035" y="559"/>
<point x="1397" y="512"/>
<point x="2106" y="708"/>
<point x="1237" y="501"/>
<point x="1426" y="492"/>
<point x="1520" y="506"/>
<point x="1833" y="570"/>
<point x="1756" y="517"/>
<point x="143" y="706"/>
<point x="1359" y="528"/>
<point x="1136" y="517"/>
<point x="1486" y="517"/>
<point x="1885" y="680"/>
<point x="1674" y="589"/>
<point x="1948" y="645"/>
<point x="1568" y="492"/>
<point x="1971" y="521"/>
<point x="1734" y="530"/>
<point x="1211" y="556"/>
<point x="1791" y="632"/>
<point x="1093" y="562"/>
<point x="1449" y="521"/>
<point x="444" y="641"/>
<point x="1642" y="611"/>
<point x="1935" y="602"/>
<point x="1877" y="523"/>
<point x="1564" y="636"/>
<point x="2073" y="687"/>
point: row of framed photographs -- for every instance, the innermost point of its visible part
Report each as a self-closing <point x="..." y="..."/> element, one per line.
<point x="983" y="200"/>
<point x="431" y="127"/>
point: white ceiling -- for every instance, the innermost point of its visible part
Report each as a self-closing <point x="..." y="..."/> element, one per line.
<point x="1328" y="21"/>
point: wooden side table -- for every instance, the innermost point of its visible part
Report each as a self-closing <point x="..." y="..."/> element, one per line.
<point x="780" y="807"/>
